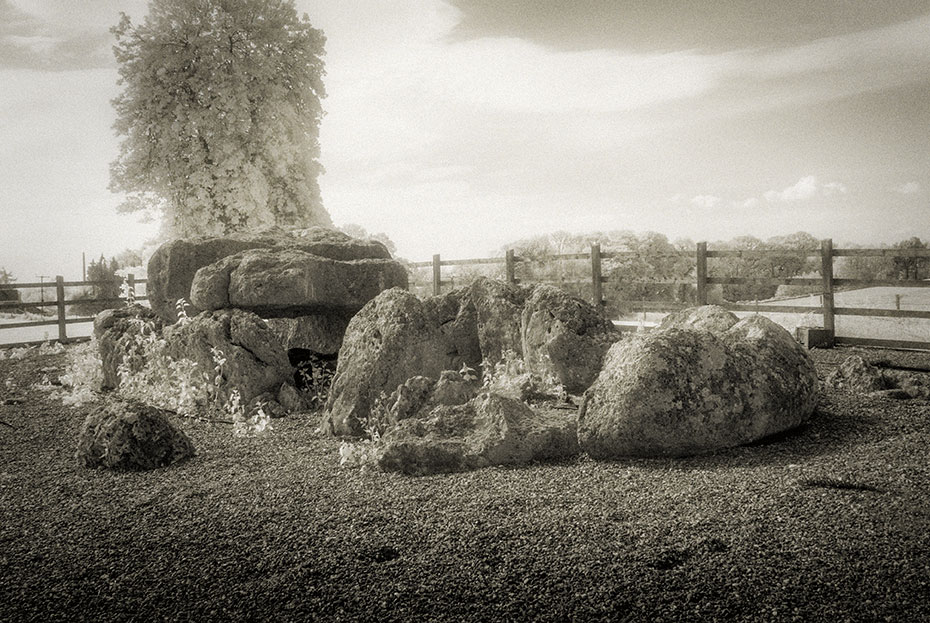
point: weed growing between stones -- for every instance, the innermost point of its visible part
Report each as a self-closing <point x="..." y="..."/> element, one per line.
<point x="315" y="378"/>
<point x="510" y="377"/>
<point x="150" y="375"/>
<point x="83" y="376"/>
<point x="364" y="453"/>
<point x="126" y="292"/>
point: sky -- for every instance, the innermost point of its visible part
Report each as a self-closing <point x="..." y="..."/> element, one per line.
<point x="457" y="126"/>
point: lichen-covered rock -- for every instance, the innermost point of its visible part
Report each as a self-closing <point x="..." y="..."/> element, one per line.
<point x="565" y="337"/>
<point x="131" y="436"/>
<point x="488" y="430"/>
<point x="172" y="267"/>
<point x="421" y="393"/>
<point x="291" y="399"/>
<point x="396" y="337"/>
<point x="683" y="391"/>
<point x="255" y="362"/>
<point x="711" y="318"/>
<point x="857" y="376"/>
<point x="119" y="335"/>
<point x="288" y="282"/>
<point x="779" y="372"/>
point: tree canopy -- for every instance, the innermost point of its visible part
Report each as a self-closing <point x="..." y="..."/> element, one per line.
<point x="219" y="114"/>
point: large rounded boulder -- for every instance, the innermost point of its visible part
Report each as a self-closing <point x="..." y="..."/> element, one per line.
<point x="696" y="388"/>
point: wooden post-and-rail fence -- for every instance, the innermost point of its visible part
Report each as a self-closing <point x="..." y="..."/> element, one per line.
<point x="60" y="304"/>
<point x="827" y="284"/>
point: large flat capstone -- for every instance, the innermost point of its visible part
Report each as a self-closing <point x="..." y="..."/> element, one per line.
<point x="172" y="268"/>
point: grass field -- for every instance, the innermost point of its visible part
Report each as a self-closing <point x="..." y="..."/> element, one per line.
<point x="911" y="329"/>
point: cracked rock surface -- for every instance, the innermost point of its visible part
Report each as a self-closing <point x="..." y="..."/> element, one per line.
<point x="256" y="363"/>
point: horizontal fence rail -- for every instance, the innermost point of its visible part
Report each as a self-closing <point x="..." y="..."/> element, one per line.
<point x="61" y="302"/>
<point x="826" y="285"/>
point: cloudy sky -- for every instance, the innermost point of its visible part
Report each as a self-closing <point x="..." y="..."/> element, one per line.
<point x="455" y="126"/>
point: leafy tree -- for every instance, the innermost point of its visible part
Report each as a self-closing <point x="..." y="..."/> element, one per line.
<point x="790" y="261"/>
<point x="357" y="231"/>
<point x="633" y="276"/>
<point x="7" y="294"/>
<point x="129" y="257"/>
<point x="910" y="267"/>
<point x="107" y="285"/>
<point x="647" y="268"/>
<point x="865" y="267"/>
<point x="220" y="114"/>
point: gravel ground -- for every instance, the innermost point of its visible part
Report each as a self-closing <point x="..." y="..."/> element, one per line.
<point x="828" y="523"/>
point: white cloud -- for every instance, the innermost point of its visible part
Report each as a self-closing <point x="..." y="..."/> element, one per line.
<point x="805" y="189"/>
<point x="705" y="201"/>
<point x="747" y="204"/>
<point x="908" y="188"/>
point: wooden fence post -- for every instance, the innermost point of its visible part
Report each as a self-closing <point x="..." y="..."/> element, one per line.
<point x="509" y="268"/>
<point x="437" y="275"/>
<point x="597" y="296"/>
<point x="826" y="272"/>
<point x="701" y="270"/>
<point x="60" y="293"/>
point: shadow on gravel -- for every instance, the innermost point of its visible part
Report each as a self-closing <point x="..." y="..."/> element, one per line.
<point x="832" y="427"/>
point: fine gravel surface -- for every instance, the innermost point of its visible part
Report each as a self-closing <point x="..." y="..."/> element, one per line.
<point x="829" y="523"/>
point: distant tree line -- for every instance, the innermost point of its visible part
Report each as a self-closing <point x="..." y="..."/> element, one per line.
<point x="653" y="269"/>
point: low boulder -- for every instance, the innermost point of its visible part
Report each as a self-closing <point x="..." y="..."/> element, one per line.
<point x="857" y="376"/>
<point x="419" y="394"/>
<point x="120" y="335"/>
<point x="125" y="435"/>
<point x="487" y="430"/>
<point x="683" y="390"/>
<point x="254" y="361"/>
